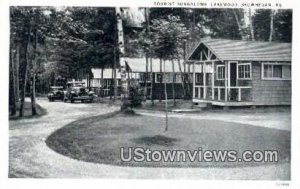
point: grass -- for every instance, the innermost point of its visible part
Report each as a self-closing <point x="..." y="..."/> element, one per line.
<point x="99" y="139"/>
<point x="160" y="106"/>
<point x="187" y="104"/>
<point x="27" y="112"/>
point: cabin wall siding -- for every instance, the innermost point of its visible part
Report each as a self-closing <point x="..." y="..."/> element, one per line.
<point x="159" y="90"/>
<point x="246" y="95"/>
<point x="269" y="92"/>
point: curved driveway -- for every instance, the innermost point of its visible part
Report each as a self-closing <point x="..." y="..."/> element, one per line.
<point x="30" y="156"/>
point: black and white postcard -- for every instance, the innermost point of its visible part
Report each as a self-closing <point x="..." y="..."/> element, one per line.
<point x="157" y="90"/>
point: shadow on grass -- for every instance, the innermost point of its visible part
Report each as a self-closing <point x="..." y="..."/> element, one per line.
<point x="159" y="140"/>
<point x="27" y="112"/>
<point x="129" y="112"/>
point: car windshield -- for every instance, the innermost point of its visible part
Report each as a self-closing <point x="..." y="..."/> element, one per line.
<point x="75" y="84"/>
<point x="56" y="88"/>
<point x="78" y="88"/>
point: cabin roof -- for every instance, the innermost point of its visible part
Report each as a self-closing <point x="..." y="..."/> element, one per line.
<point x="107" y="73"/>
<point x="139" y="65"/>
<point x="225" y="49"/>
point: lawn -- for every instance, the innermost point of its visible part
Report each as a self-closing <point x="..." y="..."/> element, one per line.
<point x="99" y="139"/>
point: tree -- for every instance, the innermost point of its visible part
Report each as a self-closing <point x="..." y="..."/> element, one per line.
<point x="30" y="27"/>
<point x="21" y="29"/>
<point x="283" y="26"/>
<point x="271" y="25"/>
<point x="86" y="39"/>
<point x="169" y="37"/>
<point x="262" y="24"/>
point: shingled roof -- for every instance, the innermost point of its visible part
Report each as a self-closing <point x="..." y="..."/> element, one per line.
<point x="242" y="50"/>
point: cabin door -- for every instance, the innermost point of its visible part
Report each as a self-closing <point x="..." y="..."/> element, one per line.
<point x="233" y="92"/>
<point x="232" y="78"/>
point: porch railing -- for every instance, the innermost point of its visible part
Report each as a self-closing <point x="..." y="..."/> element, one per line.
<point x="200" y="90"/>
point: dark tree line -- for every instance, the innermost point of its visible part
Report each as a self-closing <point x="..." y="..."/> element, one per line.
<point x="50" y="44"/>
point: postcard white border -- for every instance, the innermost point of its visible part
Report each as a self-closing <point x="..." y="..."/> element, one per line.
<point x="121" y="183"/>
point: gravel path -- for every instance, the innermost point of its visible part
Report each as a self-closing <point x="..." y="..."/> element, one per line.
<point x="30" y="157"/>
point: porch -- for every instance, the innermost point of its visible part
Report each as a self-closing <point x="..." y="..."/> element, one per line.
<point x="221" y="82"/>
<point x="217" y="95"/>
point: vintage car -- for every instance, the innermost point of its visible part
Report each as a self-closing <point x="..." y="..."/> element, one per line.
<point x="56" y="93"/>
<point x="76" y="91"/>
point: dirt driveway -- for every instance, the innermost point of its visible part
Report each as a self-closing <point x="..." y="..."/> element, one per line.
<point x="30" y="156"/>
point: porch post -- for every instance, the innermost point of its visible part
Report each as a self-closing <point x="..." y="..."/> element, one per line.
<point x="226" y="79"/>
<point x="213" y="81"/>
<point x="194" y="80"/>
<point x="204" y="80"/>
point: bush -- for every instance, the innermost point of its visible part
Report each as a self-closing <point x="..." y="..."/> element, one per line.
<point x="136" y="95"/>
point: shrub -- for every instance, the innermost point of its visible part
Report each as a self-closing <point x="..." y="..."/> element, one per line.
<point x="136" y="95"/>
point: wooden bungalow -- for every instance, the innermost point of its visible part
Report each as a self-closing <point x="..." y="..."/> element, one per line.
<point x="244" y="73"/>
<point x="137" y="67"/>
<point x="106" y="88"/>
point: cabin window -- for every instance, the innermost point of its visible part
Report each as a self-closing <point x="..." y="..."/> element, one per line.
<point x="168" y="78"/>
<point x="143" y="77"/>
<point x="177" y="78"/>
<point x="198" y="78"/>
<point x="107" y="83"/>
<point x="161" y="77"/>
<point x="220" y="72"/>
<point x="276" y="71"/>
<point x="158" y="78"/>
<point x="244" y="71"/>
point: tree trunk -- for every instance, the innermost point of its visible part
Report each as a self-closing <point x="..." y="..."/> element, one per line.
<point x="152" y="83"/>
<point x="147" y="54"/>
<point x="24" y="70"/>
<point x="12" y="99"/>
<point x="239" y="24"/>
<point x="115" y="76"/>
<point x="193" y="28"/>
<point x="166" y="97"/>
<point x="160" y="82"/>
<point x="186" y="71"/>
<point x="111" y="84"/>
<point x="89" y="80"/>
<point x="121" y="48"/>
<point x="102" y="81"/>
<point x="33" y="102"/>
<point x="271" y="25"/>
<point x="251" y="26"/>
<point x="146" y="78"/>
<point x="182" y="77"/>
<point x="17" y="73"/>
<point x="33" y="99"/>
<point x="173" y="83"/>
